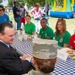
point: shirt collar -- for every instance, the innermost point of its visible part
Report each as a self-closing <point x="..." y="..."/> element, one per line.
<point x="4" y="43"/>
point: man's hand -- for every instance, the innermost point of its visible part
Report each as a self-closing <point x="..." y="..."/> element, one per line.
<point x="26" y="56"/>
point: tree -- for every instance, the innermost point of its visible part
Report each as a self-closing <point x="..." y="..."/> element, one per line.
<point x="0" y="1"/>
<point x="30" y="2"/>
<point x="10" y="2"/>
<point x="33" y="2"/>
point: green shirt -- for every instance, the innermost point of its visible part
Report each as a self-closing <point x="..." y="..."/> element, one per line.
<point x="29" y="28"/>
<point x="64" y="40"/>
<point x="32" y="72"/>
<point x="46" y="33"/>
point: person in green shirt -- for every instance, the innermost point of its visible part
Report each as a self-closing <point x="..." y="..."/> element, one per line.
<point x="29" y="26"/>
<point x="45" y="32"/>
<point x="61" y="34"/>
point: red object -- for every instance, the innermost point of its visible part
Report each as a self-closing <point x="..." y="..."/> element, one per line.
<point x="22" y="20"/>
<point x="72" y="41"/>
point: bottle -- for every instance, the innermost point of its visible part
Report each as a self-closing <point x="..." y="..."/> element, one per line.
<point x="35" y="36"/>
<point x="21" y="32"/>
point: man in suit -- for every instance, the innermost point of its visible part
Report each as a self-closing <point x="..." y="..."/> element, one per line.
<point x="10" y="63"/>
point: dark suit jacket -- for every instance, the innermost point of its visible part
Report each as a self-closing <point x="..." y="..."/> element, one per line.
<point x="10" y="64"/>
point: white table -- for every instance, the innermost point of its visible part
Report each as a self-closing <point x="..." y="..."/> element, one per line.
<point x="61" y="68"/>
<point x="65" y="67"/>
<point x="22" y="47"/>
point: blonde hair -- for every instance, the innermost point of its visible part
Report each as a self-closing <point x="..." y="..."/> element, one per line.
<point x="37" y="5"/>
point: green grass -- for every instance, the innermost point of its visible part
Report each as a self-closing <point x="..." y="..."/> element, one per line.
<point x="70" y="23"/>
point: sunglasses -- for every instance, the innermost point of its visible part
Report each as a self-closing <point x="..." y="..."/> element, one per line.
<point x="1" y="10"/>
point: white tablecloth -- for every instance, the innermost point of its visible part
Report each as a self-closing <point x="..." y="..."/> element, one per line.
<point x="62" y="67"/>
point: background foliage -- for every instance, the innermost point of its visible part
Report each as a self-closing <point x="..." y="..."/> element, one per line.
<point x="30" y="2"/>
<point x="0" y="1"/>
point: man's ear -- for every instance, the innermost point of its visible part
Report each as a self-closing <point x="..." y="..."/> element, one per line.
<point x="56" y="59"/>
<point x="34" y="62"/>
<point x="0" y="35"/>
<point x="46" y="21"/>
